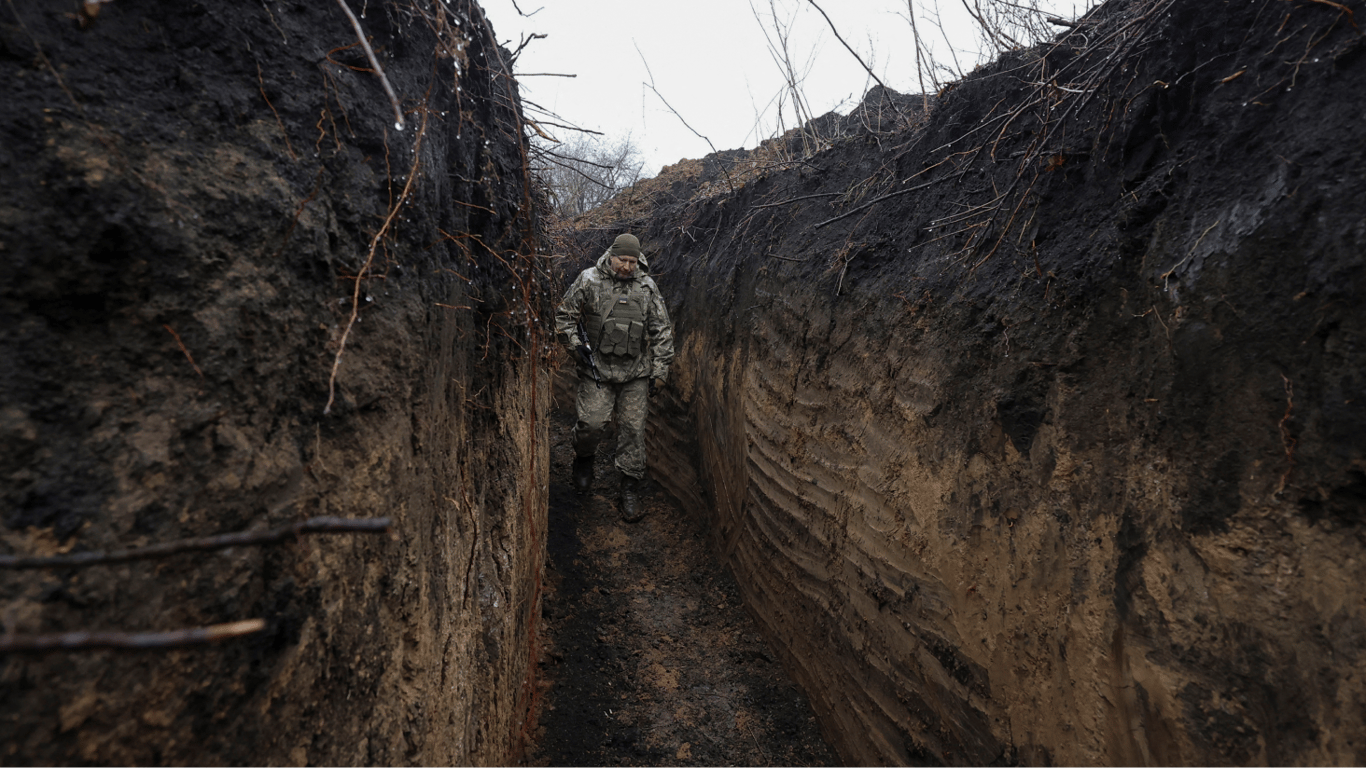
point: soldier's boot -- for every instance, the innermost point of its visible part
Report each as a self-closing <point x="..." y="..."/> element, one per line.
<point x="583" y="473"/>
<point x="631" y="508"/>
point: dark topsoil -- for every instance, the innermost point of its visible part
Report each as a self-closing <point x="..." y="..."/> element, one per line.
<point x="650" y="657"/>
<point x="189" y="190"/>
<point x="119" y="223"/>
<point x="1198" y="167"/>
<point x="1161" y="213"/>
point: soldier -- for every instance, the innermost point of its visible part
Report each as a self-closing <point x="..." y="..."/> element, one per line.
<point x="613" y="320"/>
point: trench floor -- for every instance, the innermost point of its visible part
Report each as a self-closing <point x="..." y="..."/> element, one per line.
<point x="649" y="657"/>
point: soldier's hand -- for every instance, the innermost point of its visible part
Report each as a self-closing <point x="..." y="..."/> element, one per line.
<point x="585" y="355"/>
<point x="654" y="387"/>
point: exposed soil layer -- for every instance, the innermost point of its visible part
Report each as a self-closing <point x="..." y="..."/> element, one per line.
<point x="650" y="655"/>
<point x="1035" y="431"/>
<point x="197" y="197"/>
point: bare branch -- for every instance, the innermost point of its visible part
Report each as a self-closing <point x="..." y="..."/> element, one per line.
<point x="877" y="200"/>
<point x="525" y="42"/>
<point x="374" y="62"/>
<point x="82" y="641"/>
<point x="789" y="201"/>
<point x="866" y="68"/>
<point x="567" y="127"/>
<point x="680" y="117"/>
<point x="582" y="160"/>
<point x="585" y="172"/>
<point x="651" y="86"/>
<point x="206" y="543"/>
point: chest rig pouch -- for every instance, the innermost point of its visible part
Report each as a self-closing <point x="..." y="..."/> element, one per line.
<point x="623" y="330"/>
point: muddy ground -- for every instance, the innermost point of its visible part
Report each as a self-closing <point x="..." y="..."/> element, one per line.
<point x="649" y="656"/>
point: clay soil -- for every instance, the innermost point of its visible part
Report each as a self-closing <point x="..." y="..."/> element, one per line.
<point x="649" y="656"/>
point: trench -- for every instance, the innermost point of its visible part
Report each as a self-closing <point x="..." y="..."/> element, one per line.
<point x="649" y="655"/>
<point x="1043" y="450"/>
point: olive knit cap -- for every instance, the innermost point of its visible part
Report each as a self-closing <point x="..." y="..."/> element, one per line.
<point x="625" y="245"/>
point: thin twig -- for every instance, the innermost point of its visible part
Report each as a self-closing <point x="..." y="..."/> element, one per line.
<point x="651" y="85"/>
<point x="47" y="62"/>
<point x="1350" y="16"/>
<point x="877" y="200"/>
<point x="261" y="83"/>
<point x="1167" y="275"/>
<point x="866" y="68"/>
<point x="206" y="543"/>
<point x="188" y="356"/>
<point x="81" y="641"/>
<point x="796" y="199"/>
<point x="369" y="259"/>
<point x="374" y="62"/>
<point x="525" y="42"/>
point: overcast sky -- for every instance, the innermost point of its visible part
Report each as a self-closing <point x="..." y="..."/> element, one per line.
<point x="710" y="60"/>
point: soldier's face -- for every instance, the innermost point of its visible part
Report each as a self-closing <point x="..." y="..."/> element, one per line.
<point x="624" y="266"/>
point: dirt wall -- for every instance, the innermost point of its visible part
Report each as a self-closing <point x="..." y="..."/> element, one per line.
<point x="1056" y="454"/>
<point x="197" y="200"/>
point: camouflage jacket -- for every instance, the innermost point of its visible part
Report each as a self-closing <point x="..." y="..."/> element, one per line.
<point x="626" y="320"/>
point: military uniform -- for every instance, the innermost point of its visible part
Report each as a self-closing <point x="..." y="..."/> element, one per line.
<point x="632" y="339"/>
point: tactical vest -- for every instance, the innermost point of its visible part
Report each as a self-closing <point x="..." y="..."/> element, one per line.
<point x="621" y="330"/>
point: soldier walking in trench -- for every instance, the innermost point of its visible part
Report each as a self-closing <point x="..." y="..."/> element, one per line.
<point x="614" y="322"/>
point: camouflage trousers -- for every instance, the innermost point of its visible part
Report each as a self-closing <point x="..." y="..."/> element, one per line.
<point x="595" y="405"/>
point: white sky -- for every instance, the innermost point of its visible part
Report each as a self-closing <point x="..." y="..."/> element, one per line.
<point x="710" y="60"/>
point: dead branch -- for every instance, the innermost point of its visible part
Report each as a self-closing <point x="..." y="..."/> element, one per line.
<point x="84" y="641"/>
<point x="995" y="33"/>
<point x="525" y="42"/>
<point x="866" y="68"/>
<point x="374" y="62"/>
<point x="1344" y="9"/>
<point x="651" y="85"/>
<point x="791" y="200"/>
<point x="604" y="166"/>
<point x="261" y="83"/>
<point x="780" y="51"/>
<point x="877" y="200"/>
<point x="724" y="169"/>
<point x="1167" y="275"/>
<point x="553" y="124"/>
<point x="203" y="544"/>
<point x="680" y="117"/>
